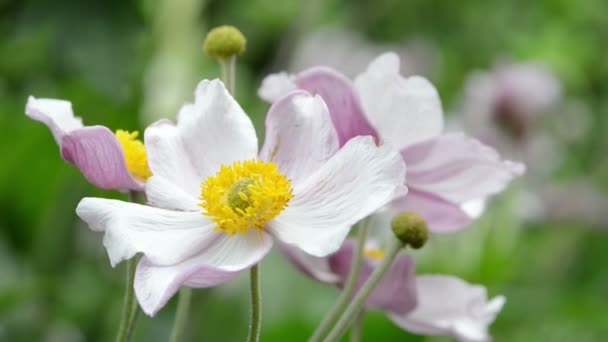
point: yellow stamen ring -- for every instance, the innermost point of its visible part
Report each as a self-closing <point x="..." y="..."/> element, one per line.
<point x="245" y="195"/>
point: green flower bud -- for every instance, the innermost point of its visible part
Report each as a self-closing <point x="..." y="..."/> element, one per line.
<point x="224" y="41"/>
<point x="410" y="229"/>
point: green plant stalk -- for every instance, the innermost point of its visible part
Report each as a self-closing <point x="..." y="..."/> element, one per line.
<point x="181" y="316"/>
<point x="256" y="305"/>
<point x="349" y="288"/>
<point x="359" y="301"/>
<point x="130" y="307"/>
<point x="356" y="332"/>
<point x="229" y="73"/>
<point x="130" y="310"/>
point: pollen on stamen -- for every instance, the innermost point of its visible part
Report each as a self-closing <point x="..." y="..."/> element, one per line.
<point x="135" y="154"/>
<point x="373" y="253"/>
<point x="245" y="195"/>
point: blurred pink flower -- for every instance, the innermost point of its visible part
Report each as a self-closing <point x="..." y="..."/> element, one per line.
<point x="350" y="52"/>
<point x="425" y="304"/>
<point x="214" y="203"/>
<point x="444" y="171"/>
<point x="504" y="107"/>
<point x="95" y="150"/>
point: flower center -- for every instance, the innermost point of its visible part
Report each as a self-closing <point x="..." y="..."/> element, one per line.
<point x="373" y="253"/>
<point x="245" y="195"/>
<point x="135" y="154"/>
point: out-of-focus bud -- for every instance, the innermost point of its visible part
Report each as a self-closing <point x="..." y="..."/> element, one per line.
<point x="224" y="41"/>
<point x="410" y="229"/>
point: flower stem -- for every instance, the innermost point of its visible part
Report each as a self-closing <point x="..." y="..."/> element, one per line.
<point x="256" y="305"/>
<point x="357" y="303"/>
<point x="229" y="73"/>
<point x="332" y="316"/>
<point x="130" y="308"/>
<point x="181" y="316"/>
<point x="356" y="332"/>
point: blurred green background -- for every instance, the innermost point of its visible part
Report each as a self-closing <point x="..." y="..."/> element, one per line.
<point x="124" y="64"/>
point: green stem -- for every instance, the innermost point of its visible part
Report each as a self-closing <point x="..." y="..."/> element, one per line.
<point x="356" y="332"/>
<point x="181" y="316"/>
<point x="256" y="305"/>
<point x="130" y="308"/>
<point x="229" y="73"/>
<point x="357" y="303"/>
<point x="349" y="288"/>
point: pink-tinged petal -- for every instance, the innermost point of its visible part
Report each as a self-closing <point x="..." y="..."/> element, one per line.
<point x="314" y="267"/>
<point x="440" y="215"/>
<point x="57" y="115"/>
<point x="396" y="292"/>
<point x="355" y="182"/>
<point x="215" y="130"/>
<point x="168" y="158"/>
<point x="300" y="137"/>
<point x="342" y="101"/>
<point x="275" y="86"/>
<point x="162" y="193"/>
<point x="403" y="110"/>
<point x="164" y="236"/>
<point x="450" y="306"/>
<point x="100" y="157"/>
<point x="155" y="285"/>
<point x="458" y="168"/>
<point x="218" y="263"/>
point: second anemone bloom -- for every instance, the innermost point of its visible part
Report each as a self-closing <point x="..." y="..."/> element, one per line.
<point x="215" y="204"/>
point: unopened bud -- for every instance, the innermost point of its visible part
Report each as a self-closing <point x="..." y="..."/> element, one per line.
<point x="411" y="229"/>
<point x="224" y="42"/>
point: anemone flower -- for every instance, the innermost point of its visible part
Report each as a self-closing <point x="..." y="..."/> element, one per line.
<point x="215" y="204"/>
<point x="438" y="305"/>
<point x="444" y="171"/>
<point x="107" y="160"/>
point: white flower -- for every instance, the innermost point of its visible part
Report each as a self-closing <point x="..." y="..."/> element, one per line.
<point x="214" y="204"/>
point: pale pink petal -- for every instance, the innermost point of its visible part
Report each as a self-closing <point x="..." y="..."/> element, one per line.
<point x="215" y="131"/>
<point x="396" y="291"/>
<point x="440" y="215"/>
<point x="218" y="263"/>
<point x="355" y="182"/>
<point x="164" y="236"/>
<point x="403" y="110"/>
<point x="342" y="101"/>
<point x="275" y="86"/>
<point x="57" y="115"/>
<point x="100" y="157"/>
<point x="449" y="306"/>
<point x="457" y="168"/>
<point x="314" y="267"/>
<point x="300" y="137"/>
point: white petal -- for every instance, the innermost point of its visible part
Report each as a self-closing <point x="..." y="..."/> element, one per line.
<point x="162" y="193"/>
<point x="215" y="131"/>
<point x="56" y="114"/>
<point x="450" y="306"/>
<point x="164" y="236"/>
<point x="300" y="136"/>
<point x="354" y="183"/>
<point x="167" y="157"/>
<point x="275" y="86"/>
<point x="218" y="263"/>
<point x="403" y="110"/>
